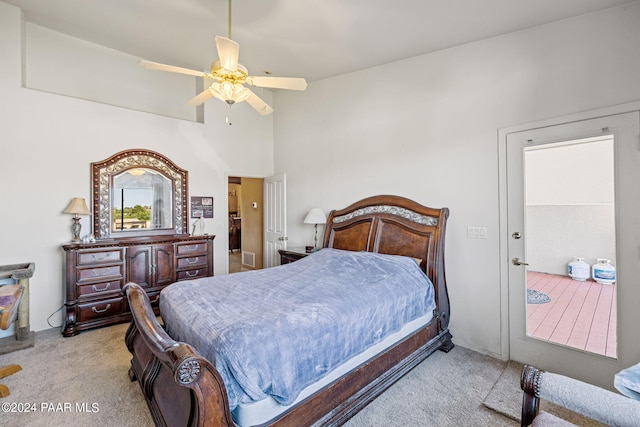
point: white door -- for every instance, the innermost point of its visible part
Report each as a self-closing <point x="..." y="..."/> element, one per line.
<point x="523" y="347"/>
<point x="275" y="218"/>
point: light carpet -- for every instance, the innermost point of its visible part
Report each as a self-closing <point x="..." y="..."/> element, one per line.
<point x="83" y="380"/>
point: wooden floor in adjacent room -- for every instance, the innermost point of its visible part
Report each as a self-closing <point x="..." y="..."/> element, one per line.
<point x="235" y="263"/>
<point x="580" y="314"/>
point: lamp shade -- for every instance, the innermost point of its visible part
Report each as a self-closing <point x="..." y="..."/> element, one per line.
<point x="315" y="216"/>
<point x="77" y="206"/>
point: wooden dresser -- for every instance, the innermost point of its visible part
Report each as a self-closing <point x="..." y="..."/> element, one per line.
<point x="96" y="272"/>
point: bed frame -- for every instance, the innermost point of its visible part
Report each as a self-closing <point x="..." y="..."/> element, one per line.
<point x="182" y="388"/>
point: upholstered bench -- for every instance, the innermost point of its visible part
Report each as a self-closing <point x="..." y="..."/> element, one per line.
<point x="602" y="405"/>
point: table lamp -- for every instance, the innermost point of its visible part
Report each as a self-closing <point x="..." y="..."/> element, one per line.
<point x="76" y="207"/>
<point x="315" y="217"/>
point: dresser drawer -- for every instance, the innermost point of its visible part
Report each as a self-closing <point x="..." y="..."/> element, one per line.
<point x="98" y="309"/>
<point x="192" y="248"/>
<point x="100" y="288"/>
<point x="99" y="273"/>
<point x="192" y="262"/>
<point x="100" y="257"/>
<point x="193" y="274"/>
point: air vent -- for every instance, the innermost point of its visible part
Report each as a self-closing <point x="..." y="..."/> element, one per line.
<point x="249" y="259"/>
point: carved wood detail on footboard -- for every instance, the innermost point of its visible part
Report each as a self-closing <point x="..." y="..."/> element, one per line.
<point x="161" y="363"/>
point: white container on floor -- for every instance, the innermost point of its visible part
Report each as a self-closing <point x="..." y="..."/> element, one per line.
<point x="578" y="269"/>
<point x="603" y="272"/>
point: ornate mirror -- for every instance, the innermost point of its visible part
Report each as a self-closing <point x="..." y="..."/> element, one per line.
<point x="138" y="193"/>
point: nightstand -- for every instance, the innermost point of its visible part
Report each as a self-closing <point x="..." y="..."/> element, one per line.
<point x="291" y="255"/>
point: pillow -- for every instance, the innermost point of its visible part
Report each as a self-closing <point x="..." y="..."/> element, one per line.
<point x="627" y="382"/>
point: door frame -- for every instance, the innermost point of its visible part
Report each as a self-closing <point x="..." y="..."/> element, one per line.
<point x="503" y="208"/>
<point x="227" y="175"/>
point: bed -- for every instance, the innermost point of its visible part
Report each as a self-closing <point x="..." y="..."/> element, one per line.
<point x="185" y="384"/>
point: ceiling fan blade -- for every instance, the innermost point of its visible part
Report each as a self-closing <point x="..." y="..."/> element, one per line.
<point x="228" y="52"/>
<point x="163" y="67"/>
<point x="291" y="83"/>
<point x="201" y="97"/>
<point x="258" y="104"/>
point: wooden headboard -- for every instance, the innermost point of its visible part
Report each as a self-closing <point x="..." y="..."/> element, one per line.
<point x="398" y="226"/>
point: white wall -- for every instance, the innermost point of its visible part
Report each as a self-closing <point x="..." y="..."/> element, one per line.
<point x="558" y="233"/>
<point x="65" y="65"/>
<point x="48" y="141"/>
<point x="427" y="127"/>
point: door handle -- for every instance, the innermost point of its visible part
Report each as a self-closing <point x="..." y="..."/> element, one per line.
<point x="518" y="261"/>
<point x="282" y="239"/>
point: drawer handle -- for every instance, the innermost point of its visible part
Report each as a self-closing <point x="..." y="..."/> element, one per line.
<point x="98" y="273"/>
<point x="192" y="274"/>
<point x="195" y="260"/>
<point x="191" y="248"/>
<point x="97" y="289"/>
<point x="95" y="310"/>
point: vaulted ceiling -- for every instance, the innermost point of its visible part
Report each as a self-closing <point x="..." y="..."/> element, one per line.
<point x="313" y="39"/>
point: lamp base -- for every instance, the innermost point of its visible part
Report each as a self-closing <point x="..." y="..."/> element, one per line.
<point x="315" y="238"/>
<point x="75" y="229"/>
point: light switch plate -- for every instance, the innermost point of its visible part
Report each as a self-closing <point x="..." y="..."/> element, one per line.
<point x="477" y="232"/>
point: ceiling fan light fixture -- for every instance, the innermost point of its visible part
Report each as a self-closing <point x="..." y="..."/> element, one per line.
<point x="230" y="92"/>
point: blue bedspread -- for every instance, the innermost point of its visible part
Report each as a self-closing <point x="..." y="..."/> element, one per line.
<point x="272" y="332"/>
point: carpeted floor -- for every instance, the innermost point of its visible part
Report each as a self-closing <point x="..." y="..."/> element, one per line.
<point x="83" y="380"/>
<point x="78" y="381"/>
<point x="501" y="399"/>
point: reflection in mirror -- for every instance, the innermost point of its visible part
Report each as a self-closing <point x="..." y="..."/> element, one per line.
<point x="141" y="199"/>
<point x="138" y="193"/>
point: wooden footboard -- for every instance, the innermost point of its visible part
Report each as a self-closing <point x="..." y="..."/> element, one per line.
<point x="182" y="388"/>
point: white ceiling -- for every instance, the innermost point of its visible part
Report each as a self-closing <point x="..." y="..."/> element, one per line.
<point x="313" y="39"/>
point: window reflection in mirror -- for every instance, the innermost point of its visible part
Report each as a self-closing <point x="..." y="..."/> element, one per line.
<point x="141" y="200"/>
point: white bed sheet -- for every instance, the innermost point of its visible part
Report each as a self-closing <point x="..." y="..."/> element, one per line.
<point x="250" y="414"/>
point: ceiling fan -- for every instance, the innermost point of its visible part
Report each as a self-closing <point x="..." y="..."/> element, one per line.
<point x="229" y="77"/>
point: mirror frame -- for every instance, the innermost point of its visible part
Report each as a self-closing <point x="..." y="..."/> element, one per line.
<point x="102" y="174"/>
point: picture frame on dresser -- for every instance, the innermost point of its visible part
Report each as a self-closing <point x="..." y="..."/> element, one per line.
<point x="153" y="255"/>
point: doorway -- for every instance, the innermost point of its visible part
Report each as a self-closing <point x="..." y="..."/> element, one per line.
<point x="531" y="240"/>
<point x="245" y="207"/>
